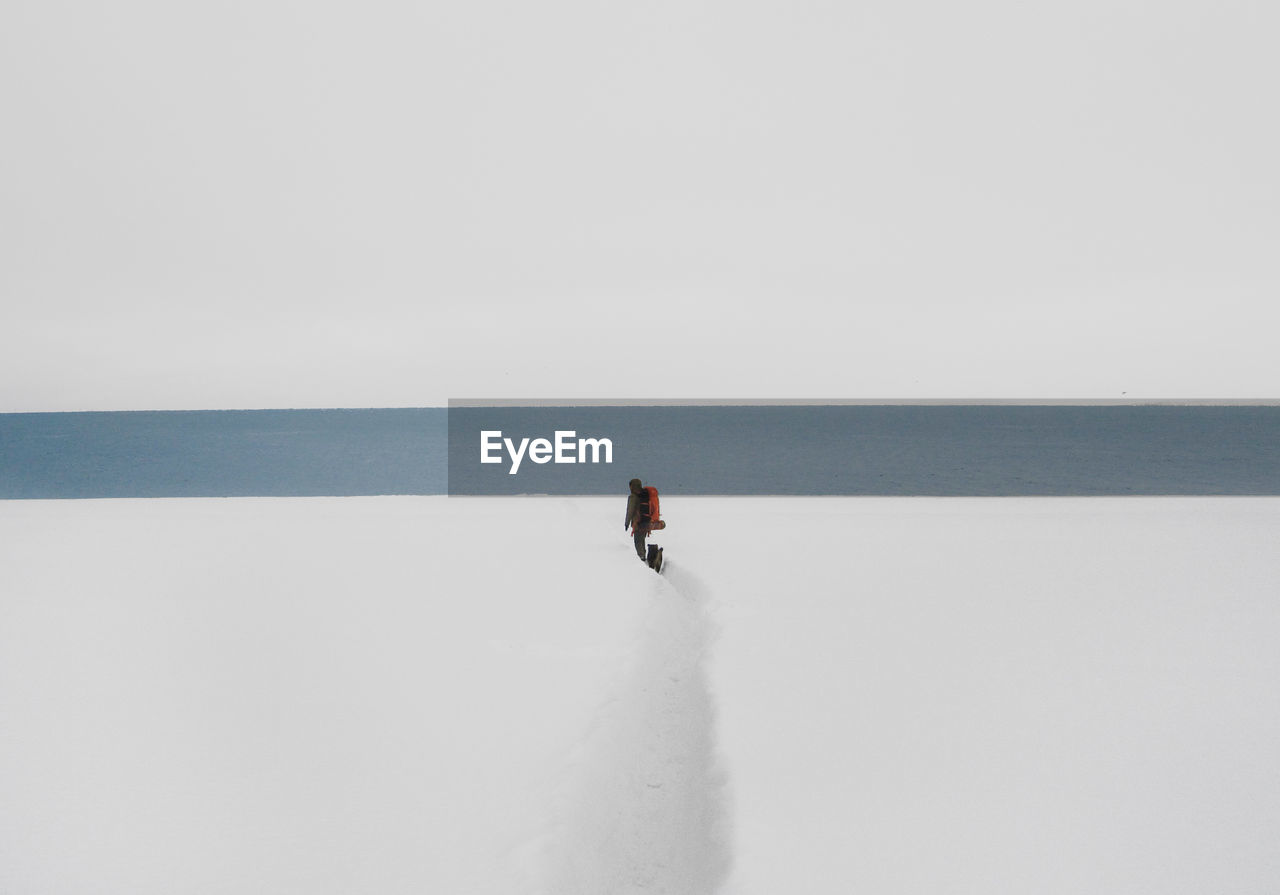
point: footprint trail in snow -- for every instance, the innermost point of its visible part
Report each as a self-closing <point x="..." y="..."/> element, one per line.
<point x="646" y="810"/>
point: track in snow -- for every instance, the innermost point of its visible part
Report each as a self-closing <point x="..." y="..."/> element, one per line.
<point x="647" y="809"/>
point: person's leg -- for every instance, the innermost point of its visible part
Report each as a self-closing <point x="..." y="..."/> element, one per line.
<point x="640" y="535"/>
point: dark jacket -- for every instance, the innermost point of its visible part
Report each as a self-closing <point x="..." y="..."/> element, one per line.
<point x="637" y="507"/>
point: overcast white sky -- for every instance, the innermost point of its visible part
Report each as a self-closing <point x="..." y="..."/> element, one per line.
<point x="288" y="204"/>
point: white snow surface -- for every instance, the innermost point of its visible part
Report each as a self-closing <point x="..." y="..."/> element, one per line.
<point x="492" y="695"/>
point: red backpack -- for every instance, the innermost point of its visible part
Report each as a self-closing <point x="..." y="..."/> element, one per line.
<point x="655" y="521"/>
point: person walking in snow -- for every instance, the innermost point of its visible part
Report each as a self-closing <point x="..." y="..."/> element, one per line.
<point x="638" y="516"/>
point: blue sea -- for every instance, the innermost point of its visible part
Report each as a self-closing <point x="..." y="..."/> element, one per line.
<point x="893" y="450"/>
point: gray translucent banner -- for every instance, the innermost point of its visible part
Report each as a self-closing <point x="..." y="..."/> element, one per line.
<point x="862" y="449"/>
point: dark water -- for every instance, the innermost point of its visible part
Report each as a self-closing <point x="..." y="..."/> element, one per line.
<point x="223" y="453"/>
<point x="949" y="450"/>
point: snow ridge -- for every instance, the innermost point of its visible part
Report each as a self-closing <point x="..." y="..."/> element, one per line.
<point x="647" y="810"/>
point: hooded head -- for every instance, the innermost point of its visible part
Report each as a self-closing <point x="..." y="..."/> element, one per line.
<point x="635" y="486"/>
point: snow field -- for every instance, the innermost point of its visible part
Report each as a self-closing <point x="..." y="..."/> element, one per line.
<point x="493" y="695"/>
<point x="983" y="696"/>
<point x="646" y="804"/>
